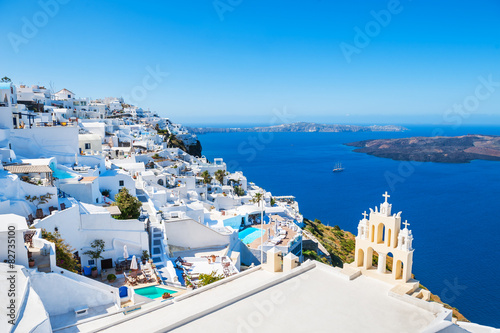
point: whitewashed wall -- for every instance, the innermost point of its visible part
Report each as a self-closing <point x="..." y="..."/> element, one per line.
<point x="190" y="233"/>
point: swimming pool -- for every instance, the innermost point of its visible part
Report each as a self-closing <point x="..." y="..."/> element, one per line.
<point x="153" y="292"/>
<point x="61" y="174"/>
<point x="250" y="234"/>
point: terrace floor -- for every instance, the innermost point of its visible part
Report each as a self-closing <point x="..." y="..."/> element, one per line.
<point x="42" y="262"/>
<point x="289" y="235"/>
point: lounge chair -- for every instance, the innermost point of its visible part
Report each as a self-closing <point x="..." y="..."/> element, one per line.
<point x="130" y="280"/>
<point x="149" y="277"/>
<point x="141" y="278"/>
<point x="39" y="213"/>
<point x="63" y="206"/>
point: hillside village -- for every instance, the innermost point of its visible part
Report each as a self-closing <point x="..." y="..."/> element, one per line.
<point x="118" y="219"/>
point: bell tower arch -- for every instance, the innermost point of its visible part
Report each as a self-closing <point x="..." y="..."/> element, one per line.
<point x="382" y="233"/>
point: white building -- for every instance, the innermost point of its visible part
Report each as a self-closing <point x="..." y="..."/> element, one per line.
<point x="80" y="224"/>
<point x="12" y="229"/>
<point x="89" y="143"/>
<point x="114" y="180"/>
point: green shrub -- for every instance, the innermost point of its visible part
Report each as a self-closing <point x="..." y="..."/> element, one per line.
<point x="206" y="279"/>
<point x="128" y="204"/>
<point x="64" y="252"/>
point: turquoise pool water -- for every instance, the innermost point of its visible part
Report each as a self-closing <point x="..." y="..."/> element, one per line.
<point x="61" y="174"/>
<point x="153" y="292"/>
<point x="250" y="234"/>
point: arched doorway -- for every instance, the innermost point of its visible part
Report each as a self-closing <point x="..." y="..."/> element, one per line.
<point x="160" y="182"/>
<point x="380" y="233"/>
<point x="374" y="259"/>
<point x="399" y="270"/>
<point x="361" y="257"/>
<point x="389" y="263"/>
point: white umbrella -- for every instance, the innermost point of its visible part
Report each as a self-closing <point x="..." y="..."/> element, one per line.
<point x="133" y="263"/>
<point x="125" y="252"/>
<point x="76" y="159"/>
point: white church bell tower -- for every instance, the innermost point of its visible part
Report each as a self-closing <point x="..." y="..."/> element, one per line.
<point x="381" y="234"/>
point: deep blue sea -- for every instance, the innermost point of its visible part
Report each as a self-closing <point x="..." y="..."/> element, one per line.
<point x="453" y="209"/>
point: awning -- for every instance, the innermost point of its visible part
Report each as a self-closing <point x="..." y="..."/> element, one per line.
<point x="28" y="168"/>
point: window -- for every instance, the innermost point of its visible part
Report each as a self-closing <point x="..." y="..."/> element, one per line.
<point x="69" y="96"/>
<point x="91" y="262"/>
<point x="121" y="182"/>
<point x="87" y="146"/>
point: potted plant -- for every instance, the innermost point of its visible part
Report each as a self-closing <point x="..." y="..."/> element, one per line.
<point x="97" y="249"/>
<point x="111" y="278"/>
<point x="189" y="285"/>
<point x="31" y="262"/>
<point x="145" y="257"/>
<point x="166" y="295"/>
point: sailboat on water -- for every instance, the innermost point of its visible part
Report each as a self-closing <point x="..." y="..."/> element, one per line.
<point x="338" y="167"/>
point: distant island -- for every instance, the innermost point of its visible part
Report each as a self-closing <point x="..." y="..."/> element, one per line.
<point x="300" y="127"/>
<point x="460" y="149"/>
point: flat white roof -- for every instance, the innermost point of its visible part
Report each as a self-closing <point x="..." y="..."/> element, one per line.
<point x="93" y="209"/>
<point x="6" y="220"/>
<point x="311" y="298"/>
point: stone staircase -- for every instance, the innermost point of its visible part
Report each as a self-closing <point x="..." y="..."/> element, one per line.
<point x="156" y="247"/>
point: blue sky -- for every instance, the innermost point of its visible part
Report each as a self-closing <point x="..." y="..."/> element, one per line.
<point x="235" y="61"/>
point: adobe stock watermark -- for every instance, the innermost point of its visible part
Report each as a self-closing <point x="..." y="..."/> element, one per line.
<point x="470" y="104"/>
<point x="30" y="27"/>
<point x="150" y="82"/>
<point x="452" y="290"/>
<point x="452" y="116"/>
<point x="372" y="29"/>
<point x="223" y="6"/>
<point x="258" y="141"/>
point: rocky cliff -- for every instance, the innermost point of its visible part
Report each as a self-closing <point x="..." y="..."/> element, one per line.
<point x="174" y="142"/>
